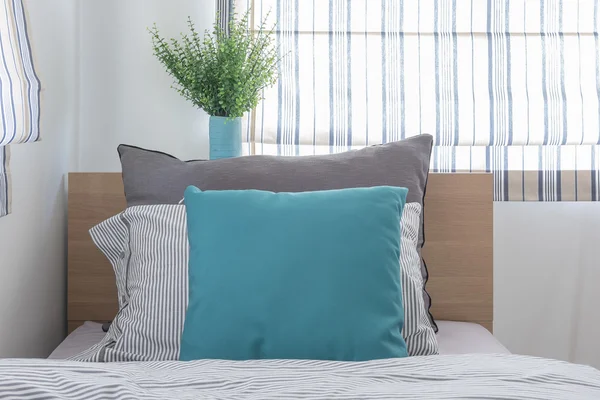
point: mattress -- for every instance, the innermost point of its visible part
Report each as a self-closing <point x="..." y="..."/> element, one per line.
<point x="467" y="338"/>
<point x="453" y="338"/>
<point x="79" y="340"/>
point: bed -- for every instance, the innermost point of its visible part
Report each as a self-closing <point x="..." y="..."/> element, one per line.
<point x="458" y="250"/>
<point x="471" y="364"/>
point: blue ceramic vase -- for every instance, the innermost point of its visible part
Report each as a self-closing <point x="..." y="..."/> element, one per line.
<point x="225" y="137"/>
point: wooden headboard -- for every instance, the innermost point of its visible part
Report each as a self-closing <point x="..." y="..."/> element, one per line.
<point x="458" y="247"/>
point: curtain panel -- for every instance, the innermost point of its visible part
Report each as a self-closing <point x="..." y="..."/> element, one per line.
<point x="19" y="90"/>
<point x="509" y="87"/>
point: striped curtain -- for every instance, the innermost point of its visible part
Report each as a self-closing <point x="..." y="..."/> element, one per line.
<point x="504" y="86"/>
<point x="19" y="90"/>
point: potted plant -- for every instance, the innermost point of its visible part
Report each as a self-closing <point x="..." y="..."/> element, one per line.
<point x="223" y="73"/>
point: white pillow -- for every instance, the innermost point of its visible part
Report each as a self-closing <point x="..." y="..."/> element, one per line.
<point x="148" y="248"/>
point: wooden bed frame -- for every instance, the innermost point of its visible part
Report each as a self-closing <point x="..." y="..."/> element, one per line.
<point x="458" y="247"/>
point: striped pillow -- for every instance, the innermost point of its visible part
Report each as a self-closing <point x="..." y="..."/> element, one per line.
<point x="148" y="248"/>
<point x="417" y="331"/>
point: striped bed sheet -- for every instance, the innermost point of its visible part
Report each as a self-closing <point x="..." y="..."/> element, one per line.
<point x="472" y="376"/>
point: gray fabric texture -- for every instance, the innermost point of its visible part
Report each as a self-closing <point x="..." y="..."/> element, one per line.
<point x="148" y="248"/>
<point x="150" y="263"/>
<point x="152" y="177"/>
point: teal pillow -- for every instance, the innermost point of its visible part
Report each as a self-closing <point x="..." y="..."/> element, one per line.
<point x="311" y="275"/>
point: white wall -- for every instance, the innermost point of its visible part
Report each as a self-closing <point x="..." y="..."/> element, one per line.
<point x="547" y="270"/>
<point x="101" y="86"/>
<point x="32" y="245"/>
<point x="125" y="94"/>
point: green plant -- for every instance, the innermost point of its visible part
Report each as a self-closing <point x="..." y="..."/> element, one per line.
<point x="223" y="73"/>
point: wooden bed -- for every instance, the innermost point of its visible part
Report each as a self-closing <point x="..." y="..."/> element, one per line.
<point x="458" y="247"/>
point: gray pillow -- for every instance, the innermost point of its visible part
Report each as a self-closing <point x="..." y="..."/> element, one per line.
<point x="152" y="177"/>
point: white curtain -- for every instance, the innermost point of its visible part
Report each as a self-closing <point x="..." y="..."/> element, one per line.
<point x="19" y="90"/>
<point x="509" y="87"/>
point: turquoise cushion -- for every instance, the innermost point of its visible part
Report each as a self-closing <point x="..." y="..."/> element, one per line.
<point x="311" y="275"/>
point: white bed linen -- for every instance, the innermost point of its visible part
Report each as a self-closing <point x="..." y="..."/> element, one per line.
<point x="453" y="338"/>
<point x="457" y="376"/>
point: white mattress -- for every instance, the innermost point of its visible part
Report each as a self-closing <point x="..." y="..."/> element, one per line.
<point x="79" y="340"/>
<point x="453" y="338"/>
<point x="466" y="338"/>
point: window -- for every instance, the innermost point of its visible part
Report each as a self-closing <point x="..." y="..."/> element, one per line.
<point x="509" y="87"/>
